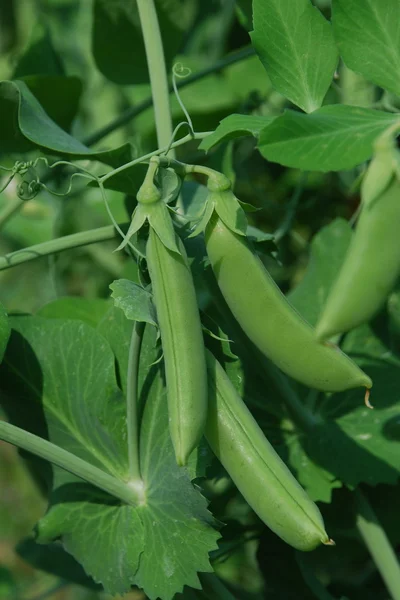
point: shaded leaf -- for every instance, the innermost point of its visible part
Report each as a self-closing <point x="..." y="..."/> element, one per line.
<point x="40" y="57"/>
<point x="368" y="36"/>
<point x="327" y="253"/>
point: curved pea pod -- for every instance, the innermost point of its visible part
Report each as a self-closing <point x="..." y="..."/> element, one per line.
<point x="372" y="263"/>
<point x="182" y="344"/>
<point x="256" y="469"/>
<point x="270" y="321"/>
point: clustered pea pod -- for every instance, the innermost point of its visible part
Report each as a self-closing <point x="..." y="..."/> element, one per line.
<point x="182" y="344"/>
<point x="372" y="263"/>
<point x="257" y="470"/>
<point x="267" y="317"/>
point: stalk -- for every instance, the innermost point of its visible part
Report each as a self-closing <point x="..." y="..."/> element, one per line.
<point x="132" y="401"/>
<point x="68" y="461"/>
<point x="377" y="542"/>
<point x="157" y="70"/>
<point x="75" y="240"/>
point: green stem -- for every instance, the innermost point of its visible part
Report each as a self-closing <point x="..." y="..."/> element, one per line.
<point x="10" y="209"/>
<point x="197" y="136"/>
<point x="68" y="461"/>
<point x="157" y="69"/>
<point x="134" y="111"/>
<point x="83" y="238"/>
<point x="132" y="400"/>
<point x="378" y="544"/>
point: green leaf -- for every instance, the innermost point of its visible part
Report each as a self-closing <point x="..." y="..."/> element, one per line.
<point x="355" y="443"/>
<point x="236" y="126"/>
<point x="40" y="57"/>
<point x="123" y="59"/>
<point x="368" y="36"/>
<point x="296" y="46"/>
<point x="26" y="124"/>
<point x="332" y="138"/>
<point x="72" y="399"/>
<point x="134" y="300"/>
<point x="328" y="250"/>
<point x="88" y="310"/>
<point x="5" y="330"/>
<point x="24" y="120"/>
<point x="54" y="559"/>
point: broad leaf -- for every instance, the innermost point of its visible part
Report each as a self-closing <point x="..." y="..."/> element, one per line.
<point x="40" y="57"/>
<point x="236" y="126"/>
<point x="332" y="138"/>
<point x="134" y="300"/>
<point x="88" y="310"/>
<point x="328" y="250"/>
<point x="368" y="35"/>
<point x="72" y="399"/>
<point x="295" y="44"/>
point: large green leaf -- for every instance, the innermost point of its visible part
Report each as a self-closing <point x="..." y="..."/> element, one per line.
<point x="58" y="381"/>
<point x="123" y="59"/>
<point x="295" y="44"/>
<point x="368" y="35"/>
<point x="236" y="126"/>
<point x="332" y="138"/>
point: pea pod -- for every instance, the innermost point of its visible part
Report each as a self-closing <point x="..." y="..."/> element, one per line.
<point x="257" y="470"/>
<point x="182" y="343"/>
<point x="372" y="263"/>
<point x="269" y="320"/>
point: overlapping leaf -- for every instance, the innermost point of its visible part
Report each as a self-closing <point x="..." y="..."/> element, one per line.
<point x="368" y="35"/>
<point x="295" y="44"/>
<point x="58" y="380"/>
<point x="332" y="138"/>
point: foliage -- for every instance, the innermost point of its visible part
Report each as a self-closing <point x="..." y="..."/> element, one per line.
<point x="258" y="93"/>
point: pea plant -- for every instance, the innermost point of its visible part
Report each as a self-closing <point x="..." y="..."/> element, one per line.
<point x="200" y="213"/>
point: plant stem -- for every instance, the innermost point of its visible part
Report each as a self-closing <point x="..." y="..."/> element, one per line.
<point x="132" y="400"/>
<point x="379" y="546"/>
<point x="189" y="137"/>
<point x="10" y="209"/>
<point x="134" y="111"/>
<point x="157" y="70"/>
<point x="68" y="461"/>
<point x="83" y="238"/>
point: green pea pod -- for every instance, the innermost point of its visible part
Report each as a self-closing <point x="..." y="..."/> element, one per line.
<point x="372" y="263"/>
<point x="270" y="321"/>
<point x="256" y="469"/>
<point x="182" y="344"/>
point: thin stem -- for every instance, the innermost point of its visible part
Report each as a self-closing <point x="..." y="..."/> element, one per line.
<point x="287" y="221"/>
<point x="10" y="209"/>
<point x="379" y="546"/>
<point x="198" y="136"/>
<point x="157" y="69"/>
<point x="134" y="111"/>
<point x="132" y="400"/>
<point x="75" y="240"/>
<point x="68" y="461"/>
<point x="50" y="592"/>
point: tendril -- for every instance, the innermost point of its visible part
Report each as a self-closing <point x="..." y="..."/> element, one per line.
<point x="180" y="71"/>
<point x="112" y="218"/>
